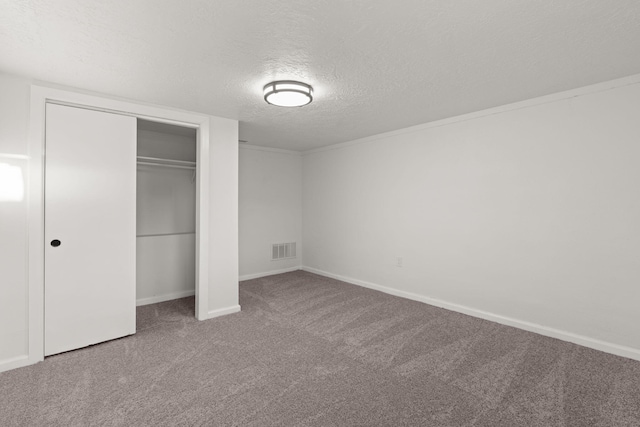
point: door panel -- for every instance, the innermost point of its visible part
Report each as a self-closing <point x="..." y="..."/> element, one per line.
<point x="90" y="207"/>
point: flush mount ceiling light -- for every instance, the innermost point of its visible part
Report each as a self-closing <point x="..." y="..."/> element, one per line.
<point x="288" y="93"/>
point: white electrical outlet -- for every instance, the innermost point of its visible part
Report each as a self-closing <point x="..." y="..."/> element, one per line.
<point x="399" y="261"/>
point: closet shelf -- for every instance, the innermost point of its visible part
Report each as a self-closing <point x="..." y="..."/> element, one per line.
<point x="170" y="163"/>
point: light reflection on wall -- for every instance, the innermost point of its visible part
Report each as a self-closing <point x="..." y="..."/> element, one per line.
<point x="11" y="183"/>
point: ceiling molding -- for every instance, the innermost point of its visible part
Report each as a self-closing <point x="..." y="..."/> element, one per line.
<point x="547" y="99"/>
<point x="269" y="149"/>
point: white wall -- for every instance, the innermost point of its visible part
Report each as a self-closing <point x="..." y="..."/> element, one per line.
<point x="14" y="250"/>
<point x="166" y="212"/>
<point x="14" y="119"/>
<point x="166" y="142"/>
<point x="223" y="217"/>
<point x="527" y="214"/>
<point x="270" y="208"/>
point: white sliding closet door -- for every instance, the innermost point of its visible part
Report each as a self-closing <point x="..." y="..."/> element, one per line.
<point x="90" y="210"/>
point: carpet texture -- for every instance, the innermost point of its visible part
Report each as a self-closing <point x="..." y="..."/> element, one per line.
<point x="312" y="351"/>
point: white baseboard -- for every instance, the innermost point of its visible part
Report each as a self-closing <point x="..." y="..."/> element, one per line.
<point x="269" y="273"/>
<point x="223" y="311"/>
<point x="15" y="362"/>
<point x="596" y="344"/>
<point x="165" y="297"/>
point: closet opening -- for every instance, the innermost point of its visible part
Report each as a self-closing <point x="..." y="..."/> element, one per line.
<point x="166" y="215"/>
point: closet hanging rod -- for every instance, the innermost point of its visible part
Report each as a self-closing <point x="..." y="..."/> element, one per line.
<point x="167" y="166"/>
<point x="165" y="234"/>
<point x="166" y="161"/>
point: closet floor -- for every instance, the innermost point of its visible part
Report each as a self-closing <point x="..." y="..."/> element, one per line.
<point x="177" y="311"/>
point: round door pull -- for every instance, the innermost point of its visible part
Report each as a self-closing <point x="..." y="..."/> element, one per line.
<point x="55" y="243"/>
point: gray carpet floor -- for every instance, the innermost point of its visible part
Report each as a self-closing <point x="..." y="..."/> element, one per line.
<point x="311" y="351"/>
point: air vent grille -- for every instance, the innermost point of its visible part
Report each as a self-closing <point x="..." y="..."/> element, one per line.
<point x="283" y="251"/>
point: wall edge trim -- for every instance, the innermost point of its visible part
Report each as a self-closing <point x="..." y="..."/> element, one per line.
<point x="268" y="273"/>
<point x="16" y="362"/>
<point x="593" y="343"/>
<point x="222" y="311"/>
<point x="163" y="298"/>
<point x="269" y="149"/>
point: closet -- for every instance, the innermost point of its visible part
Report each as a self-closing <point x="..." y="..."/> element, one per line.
<point x="119" y="222"/>
<point x="165" y="214"/>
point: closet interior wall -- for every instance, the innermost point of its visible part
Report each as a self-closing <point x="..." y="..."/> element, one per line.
<point x="166" y="202"/>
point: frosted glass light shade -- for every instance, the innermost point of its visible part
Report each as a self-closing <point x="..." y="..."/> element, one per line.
<point x="288" y="93"/>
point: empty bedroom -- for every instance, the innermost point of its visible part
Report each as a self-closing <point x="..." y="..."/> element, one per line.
<point x="319" y="213"/>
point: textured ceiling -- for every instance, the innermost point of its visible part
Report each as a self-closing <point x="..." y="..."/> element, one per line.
<point x="375" y="65"/>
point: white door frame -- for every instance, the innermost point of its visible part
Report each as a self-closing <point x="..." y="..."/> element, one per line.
<point x="41" y="95"/>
